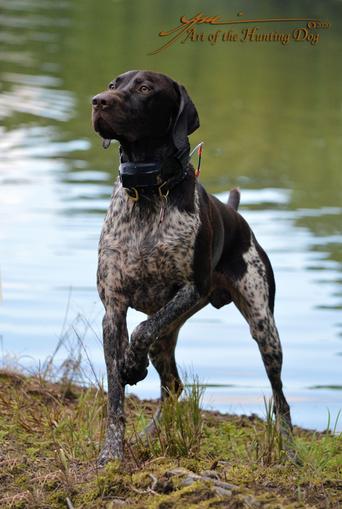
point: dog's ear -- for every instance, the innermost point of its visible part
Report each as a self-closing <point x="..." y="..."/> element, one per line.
<point x="187" y="120"/>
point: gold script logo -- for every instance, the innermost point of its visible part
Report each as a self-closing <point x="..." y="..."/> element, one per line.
<point x="192" y="30"/>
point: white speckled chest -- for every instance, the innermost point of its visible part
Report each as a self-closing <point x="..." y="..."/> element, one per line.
<point x="142" y="258"/>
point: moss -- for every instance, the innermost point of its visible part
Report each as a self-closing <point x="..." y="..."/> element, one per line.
<point x="113" y="483"/>
<point x="50" y="437"/>
<point x="196" y="496"/>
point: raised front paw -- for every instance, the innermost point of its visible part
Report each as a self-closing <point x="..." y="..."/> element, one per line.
<point x="134" y="368"/>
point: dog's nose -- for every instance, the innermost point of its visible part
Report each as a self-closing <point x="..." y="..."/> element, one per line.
<point x="103" y="100"/>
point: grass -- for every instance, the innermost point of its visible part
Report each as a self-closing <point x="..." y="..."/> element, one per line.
<point x="50" y="436"/>
<point x="179" y="432"/>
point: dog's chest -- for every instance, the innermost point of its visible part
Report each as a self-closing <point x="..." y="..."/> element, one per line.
<point x="148" y="259"/>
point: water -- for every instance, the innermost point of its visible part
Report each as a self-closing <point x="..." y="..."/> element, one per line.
<point x="271" y="122"/>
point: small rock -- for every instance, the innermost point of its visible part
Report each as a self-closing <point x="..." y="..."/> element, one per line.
<point x="225" y="485"/>
<point x="188" y="481"/>
<point x="222" y="492"/>
<point x="210" y="473"/>
<point x="177" y="472"/>
<point x="116" y="502"/>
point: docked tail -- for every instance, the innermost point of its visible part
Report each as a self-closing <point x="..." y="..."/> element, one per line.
<point x="234" y="198"/>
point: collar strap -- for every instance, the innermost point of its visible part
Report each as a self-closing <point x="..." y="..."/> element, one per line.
<point x="140" y="178"/>
<point x="137" y="177"/>
<point x="140" y="175"/>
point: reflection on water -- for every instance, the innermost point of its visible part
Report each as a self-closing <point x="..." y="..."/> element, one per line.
<point x="30" y="94"/>
<point x="271" y="122"/>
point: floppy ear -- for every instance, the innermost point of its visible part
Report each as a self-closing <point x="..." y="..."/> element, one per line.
<point x="187" y="120"/>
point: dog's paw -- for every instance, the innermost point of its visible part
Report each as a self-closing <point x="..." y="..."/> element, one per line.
<point x="113" y="446"/>
<point x="133" y="376"/>
<point x="134" y="370"/>
<point x="109" y="454"/>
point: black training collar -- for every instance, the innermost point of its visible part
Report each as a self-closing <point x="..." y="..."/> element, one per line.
<point x="140" y="175"/>
<point x="139" y="178"/>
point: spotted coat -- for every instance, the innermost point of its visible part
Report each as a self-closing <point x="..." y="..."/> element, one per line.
<point x="143" y="257"/>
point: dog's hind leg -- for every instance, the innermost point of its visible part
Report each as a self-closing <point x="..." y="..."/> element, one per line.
<point x="253" y="295"/>
<point x="162" y="355"/>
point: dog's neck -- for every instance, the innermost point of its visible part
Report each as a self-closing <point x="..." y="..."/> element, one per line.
<point x="152" y="166"/>
<point x="155" y="150"/>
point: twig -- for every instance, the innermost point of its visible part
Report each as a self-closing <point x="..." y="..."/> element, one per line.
<point x="69" y="503"/>
<point x="143" y="492"/>
<point x="154" y="483"/>
<point x="155" y="460"/>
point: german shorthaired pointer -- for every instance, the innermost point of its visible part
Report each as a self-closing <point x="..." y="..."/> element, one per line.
<point x="168" y="248"/>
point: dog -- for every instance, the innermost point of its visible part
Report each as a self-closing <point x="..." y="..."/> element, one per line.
<point x="168" y="248"/>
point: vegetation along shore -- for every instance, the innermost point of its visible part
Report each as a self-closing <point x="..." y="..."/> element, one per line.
<point x="50" y="434"/>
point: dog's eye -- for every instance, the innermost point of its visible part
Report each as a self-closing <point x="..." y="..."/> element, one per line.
<point x="144" y="89"/>
<point x="111" y="86"/>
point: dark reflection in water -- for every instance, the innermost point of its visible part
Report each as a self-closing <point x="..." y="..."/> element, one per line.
<point x="272" y="124"/>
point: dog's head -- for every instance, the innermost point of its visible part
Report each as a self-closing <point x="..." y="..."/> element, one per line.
<point x="143" y="104"/>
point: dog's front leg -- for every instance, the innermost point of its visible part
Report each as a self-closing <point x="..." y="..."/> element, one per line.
<point x="115" y="340"/>
<point x="176" y="311"/>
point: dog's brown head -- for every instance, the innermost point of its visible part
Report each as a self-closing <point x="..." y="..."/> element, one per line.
<point x="141" y="105"/>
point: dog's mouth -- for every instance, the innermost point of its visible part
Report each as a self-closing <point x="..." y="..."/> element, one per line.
<point x="104" y="129"/>
<point x="110" y="130"/>
<point x="103" y="126"/>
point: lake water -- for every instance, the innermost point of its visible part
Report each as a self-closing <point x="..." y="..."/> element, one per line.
<point x="271" y="120"/>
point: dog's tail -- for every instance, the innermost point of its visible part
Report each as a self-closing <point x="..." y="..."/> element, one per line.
<point x="234" y="198"/>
